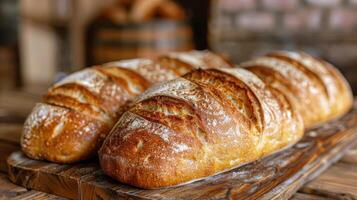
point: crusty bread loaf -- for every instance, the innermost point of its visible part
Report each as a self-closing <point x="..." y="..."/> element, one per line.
<point x="213" y="120"/>
<point x="196" y="126"/>
<point x="314" y="86"/>
<point x="79" y="111"/>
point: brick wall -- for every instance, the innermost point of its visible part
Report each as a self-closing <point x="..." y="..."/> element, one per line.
<point x="326" y="28"/>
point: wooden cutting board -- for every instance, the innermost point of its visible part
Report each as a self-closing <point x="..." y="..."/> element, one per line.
<point x="277" y="176"/>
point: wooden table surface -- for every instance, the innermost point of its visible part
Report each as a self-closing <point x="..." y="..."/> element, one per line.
<point x="337" y="182"/>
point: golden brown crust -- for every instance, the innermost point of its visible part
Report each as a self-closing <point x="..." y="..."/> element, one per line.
<point x="233" y="93"/>
<point x="340" y="94"/>
<point x="316" y="88"/>
<point x="185" y="62"/>
<point x="93" y="97"/>
<point x="297" y="85"/>
<point x="178" y="66"/>
<point x="60" y="135"/>
<point x="213" y="120"/>
<point x="202" y="125"/>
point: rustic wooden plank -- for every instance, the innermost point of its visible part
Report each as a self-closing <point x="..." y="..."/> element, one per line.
<point x="62" y="180"/>
<point x="31" y="195"/>
<point x="277" y="176"/>
<point x="69" y="179"/>
<point x="9" y="190"/>
<point x="350" y="156"/>
<point x="57" y="184"/>
<point x="337" y="182"/>
<point x="95" y="186"/>
<point x="28" y="175"/>
<point x="303" y="196"/>
<point x="48" y="180"/>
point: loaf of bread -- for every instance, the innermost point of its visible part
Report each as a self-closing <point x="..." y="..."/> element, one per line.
<point x="315" y="87"/>
<point x="79" y="111"/>
<point x="213" y="120"/>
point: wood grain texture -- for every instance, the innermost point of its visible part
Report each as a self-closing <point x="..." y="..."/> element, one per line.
<point x="278" y="176"/>
<point x="337" y="182"/>
<point x="10" y="191"/>
<point x="350" y="156"/>
<point x="303" y="196"/>
<point x="31" y="195"/>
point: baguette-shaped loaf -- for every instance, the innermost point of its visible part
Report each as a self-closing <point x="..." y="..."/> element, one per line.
<point x="79" y="111"/>
<point x="315" y="87"/>
<point x="213" y="120"/>
<point x="196" y="126"/>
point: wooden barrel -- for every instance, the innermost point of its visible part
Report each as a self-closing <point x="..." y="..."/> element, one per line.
<point x="109" y="41"/>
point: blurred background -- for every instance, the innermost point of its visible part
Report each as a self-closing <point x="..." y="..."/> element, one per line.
<point x="43" y="40"/>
